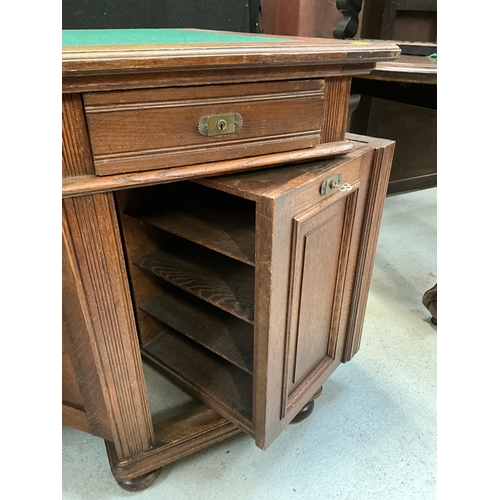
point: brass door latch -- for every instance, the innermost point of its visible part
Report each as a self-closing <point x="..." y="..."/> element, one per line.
<point x="333" y="182"/>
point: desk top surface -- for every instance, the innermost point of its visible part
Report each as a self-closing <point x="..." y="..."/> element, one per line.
<point x="88" y="38"/>
<point x="94" y="51"/>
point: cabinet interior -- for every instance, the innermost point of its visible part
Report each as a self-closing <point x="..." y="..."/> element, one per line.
<point x="190" y="252"/>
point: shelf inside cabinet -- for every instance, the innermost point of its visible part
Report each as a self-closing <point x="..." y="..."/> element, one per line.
<point x="218" y="331"/>
<point x="218" y="221"/>
<point x="217" y="279"/>
<point x="210" y="377"/>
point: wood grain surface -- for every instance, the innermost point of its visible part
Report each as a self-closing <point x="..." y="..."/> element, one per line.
<point x="218" y="331"/>
<point x="222" y="282"/>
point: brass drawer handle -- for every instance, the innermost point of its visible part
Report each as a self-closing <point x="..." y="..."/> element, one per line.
<point x="209" y="126"/>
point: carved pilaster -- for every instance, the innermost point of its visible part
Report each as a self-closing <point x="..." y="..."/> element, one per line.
<point x="106" y="323"/>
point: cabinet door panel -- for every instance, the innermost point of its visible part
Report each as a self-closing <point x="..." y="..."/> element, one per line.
<point x="314" y="284"/>
<point x="310" y="343"/>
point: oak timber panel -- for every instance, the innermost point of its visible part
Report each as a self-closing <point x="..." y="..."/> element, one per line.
<point x="273" y="243"/>
<point x="70" y="390"/>
<point x="319" y="293"/>
<point x="205" y="217"/>
<point x="337" y="93"/>
<point x="376" y="171"/>
<point x="281" y="194"/>
<point x="212" y="379"/>
<point x="80" y="367"/>
<point x="175" y="438"/>
<point x="218" y="331"/>
<point x="96" y="265"/>
<point x="75" y="418"/>
<point x="222" y="282"/>
<point x="76" y="153"/>
<point x="303" y="178"/>
<point x="146" y="129"/>
<point x="313" y="285"/>
<point x="92" y="184"/>
<point x="139" y="239"/>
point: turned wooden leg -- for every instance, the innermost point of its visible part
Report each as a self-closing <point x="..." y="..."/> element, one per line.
<point x="140" y="483"/>
<point x="429" y="300"/>
<point x="307" y="408"/>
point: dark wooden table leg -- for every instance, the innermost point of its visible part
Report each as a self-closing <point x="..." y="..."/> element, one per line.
<point x="430" y="302"/>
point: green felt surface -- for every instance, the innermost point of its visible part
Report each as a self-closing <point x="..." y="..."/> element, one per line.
<point x="156" y="36"/>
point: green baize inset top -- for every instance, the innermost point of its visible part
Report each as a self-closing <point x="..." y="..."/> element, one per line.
<point x="71" y="38"/>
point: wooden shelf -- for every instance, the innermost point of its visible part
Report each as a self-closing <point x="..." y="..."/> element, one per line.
<point x="219" y="280"/>
<point x="210" y="377"/>
<point x="221" y="224"/>
<point x="218" y="331"/>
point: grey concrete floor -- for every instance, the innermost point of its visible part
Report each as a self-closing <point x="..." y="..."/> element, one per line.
<point x="372" y="434"/>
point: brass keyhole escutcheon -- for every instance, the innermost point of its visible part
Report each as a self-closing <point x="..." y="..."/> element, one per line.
<point x="214" y="125"/>
<point x="221" y="125"/>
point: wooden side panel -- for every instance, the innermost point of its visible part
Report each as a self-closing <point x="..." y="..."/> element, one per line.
<point x="376" y="172"/>
<point x="76" y="418"/>
<point x="76" y="152"/>
<point x="106" y="323"/>
<point x="273" y="248"/>
<point x="337" y="92"/>
<point x="70" y="390"/>
<point x="81" y="386"/>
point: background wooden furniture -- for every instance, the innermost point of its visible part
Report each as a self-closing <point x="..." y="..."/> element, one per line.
<point x="312" y="18"/>
<point x="223" y="15"/>
<point x="397" y="101"/>
<point x="408" y="20"/>
<point x="259" y="374"/>
<point x="400" y="101"/>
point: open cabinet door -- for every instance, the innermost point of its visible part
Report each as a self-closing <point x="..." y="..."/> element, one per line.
<point x="250" y="289"/>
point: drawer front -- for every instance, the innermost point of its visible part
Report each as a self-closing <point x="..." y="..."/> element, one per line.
<point x="159" y="128"/>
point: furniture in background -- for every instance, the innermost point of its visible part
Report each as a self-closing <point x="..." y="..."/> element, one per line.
<point x="246" y="290"/>
<point x="310" y="18"/>
<point x="399" y="101"/>
<point x="408" y="20"/>
<point x="223" y="15"/>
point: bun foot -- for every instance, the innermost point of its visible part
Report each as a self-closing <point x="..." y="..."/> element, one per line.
<point x="304" y="413"/>
<point x="308" y="408"/>
<point x="140" y="483"/>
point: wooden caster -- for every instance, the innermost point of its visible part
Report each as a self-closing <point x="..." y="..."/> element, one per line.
<point x="140" y="483"/>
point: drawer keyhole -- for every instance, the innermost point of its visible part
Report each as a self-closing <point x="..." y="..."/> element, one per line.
<point x="210" y="126"/>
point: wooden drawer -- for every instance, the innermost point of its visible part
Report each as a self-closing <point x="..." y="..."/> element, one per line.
<point x="138" y="130"/>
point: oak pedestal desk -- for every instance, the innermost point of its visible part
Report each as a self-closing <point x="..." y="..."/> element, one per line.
<point x="246" y="289"/>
